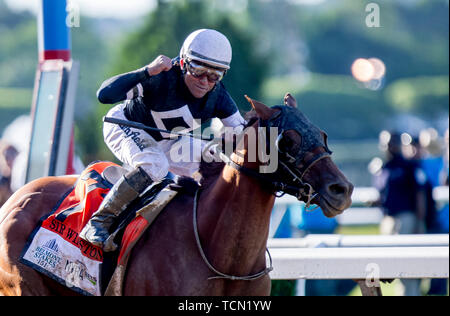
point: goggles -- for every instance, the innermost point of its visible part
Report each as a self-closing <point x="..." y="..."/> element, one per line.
<point x="199" y="70"/>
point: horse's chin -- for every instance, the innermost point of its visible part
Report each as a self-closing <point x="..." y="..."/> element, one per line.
<point x="328" y="209"/>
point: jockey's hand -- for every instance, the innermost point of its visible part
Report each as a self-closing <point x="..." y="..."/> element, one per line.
<point x="161" y="63"/>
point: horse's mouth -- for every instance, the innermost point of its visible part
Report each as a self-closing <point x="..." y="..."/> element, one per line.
<point x="327" y="208"/>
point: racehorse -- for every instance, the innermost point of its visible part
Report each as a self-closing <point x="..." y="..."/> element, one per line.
<point x="210" y="243"/>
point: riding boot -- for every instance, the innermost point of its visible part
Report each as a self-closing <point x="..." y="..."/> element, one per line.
<point x="126" y="190"/>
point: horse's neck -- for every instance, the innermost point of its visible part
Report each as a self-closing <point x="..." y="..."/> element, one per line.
<point x="235" y="220"/>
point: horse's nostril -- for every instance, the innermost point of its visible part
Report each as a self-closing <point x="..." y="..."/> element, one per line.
<point x="338" y="189"/>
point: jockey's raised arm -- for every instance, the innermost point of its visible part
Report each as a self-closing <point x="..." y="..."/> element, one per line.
<point x="122" y="87"/>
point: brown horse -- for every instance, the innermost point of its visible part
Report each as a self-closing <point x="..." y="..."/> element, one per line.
<point x="232" y="214"/>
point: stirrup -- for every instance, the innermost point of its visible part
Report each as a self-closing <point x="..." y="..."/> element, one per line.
<point x="126" y="190"/>
<point x="109" y="245"/>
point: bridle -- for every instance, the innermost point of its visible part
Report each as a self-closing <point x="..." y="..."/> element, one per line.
<point x="295" y="186"/>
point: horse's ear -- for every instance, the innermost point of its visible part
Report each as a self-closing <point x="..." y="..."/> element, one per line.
<point x="261" y="109"/>
<point x="289" y="100"/>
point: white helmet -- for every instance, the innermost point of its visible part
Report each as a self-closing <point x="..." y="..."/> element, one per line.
<point x="207" y="46"/>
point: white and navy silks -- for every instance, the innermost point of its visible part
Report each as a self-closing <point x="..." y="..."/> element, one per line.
<point x="164" y="102"/>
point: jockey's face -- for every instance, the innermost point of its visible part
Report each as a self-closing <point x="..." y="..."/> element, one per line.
<point x="199" y="87"/>
<point x="198" y="80"/>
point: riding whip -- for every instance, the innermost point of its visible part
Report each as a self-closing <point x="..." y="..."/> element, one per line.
<point x="144" y="127"/>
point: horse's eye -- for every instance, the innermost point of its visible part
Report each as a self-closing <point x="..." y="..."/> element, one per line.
<point x="290" y="143"/>
<point x="284" y="144"/>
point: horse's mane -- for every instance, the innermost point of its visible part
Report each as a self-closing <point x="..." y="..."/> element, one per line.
<point x="210" y="170"/>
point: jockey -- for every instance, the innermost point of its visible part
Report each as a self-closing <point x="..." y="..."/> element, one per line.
<point x="165" y="94"/>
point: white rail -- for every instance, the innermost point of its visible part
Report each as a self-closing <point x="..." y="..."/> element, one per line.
<point x="359" y="257"/>
<point x="325" y="240"/>
<point x="360" y="263"/>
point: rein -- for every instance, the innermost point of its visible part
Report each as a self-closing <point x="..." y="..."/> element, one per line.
<point x="221" y="275"/>
<point x="303" y="190"/>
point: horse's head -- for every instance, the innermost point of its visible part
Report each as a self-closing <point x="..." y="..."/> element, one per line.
<point x="305" y="167"/>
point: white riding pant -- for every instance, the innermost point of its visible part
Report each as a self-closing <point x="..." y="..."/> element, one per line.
<point x="136" y="148"/>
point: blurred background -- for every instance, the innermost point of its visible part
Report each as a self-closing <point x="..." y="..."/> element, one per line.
<point x="306" y="47"/>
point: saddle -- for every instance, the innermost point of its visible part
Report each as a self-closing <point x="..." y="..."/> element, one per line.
<point x="55" y="249"/>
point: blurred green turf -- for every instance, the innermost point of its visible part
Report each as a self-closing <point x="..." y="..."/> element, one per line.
<point x="358" y="230"/>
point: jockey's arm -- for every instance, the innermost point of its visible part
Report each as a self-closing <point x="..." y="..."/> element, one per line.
<point x="122" y="87"/>
<point x="235" y="120"/>
<point x="234" y="125"/>
<point x="228" y="112"/>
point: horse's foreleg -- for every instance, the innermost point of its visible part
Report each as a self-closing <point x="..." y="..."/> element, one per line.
<point x="369" y="290"/>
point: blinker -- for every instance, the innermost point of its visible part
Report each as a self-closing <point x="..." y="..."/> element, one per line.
<point x="292" y="119"/>
<point x="290" y="158"/>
